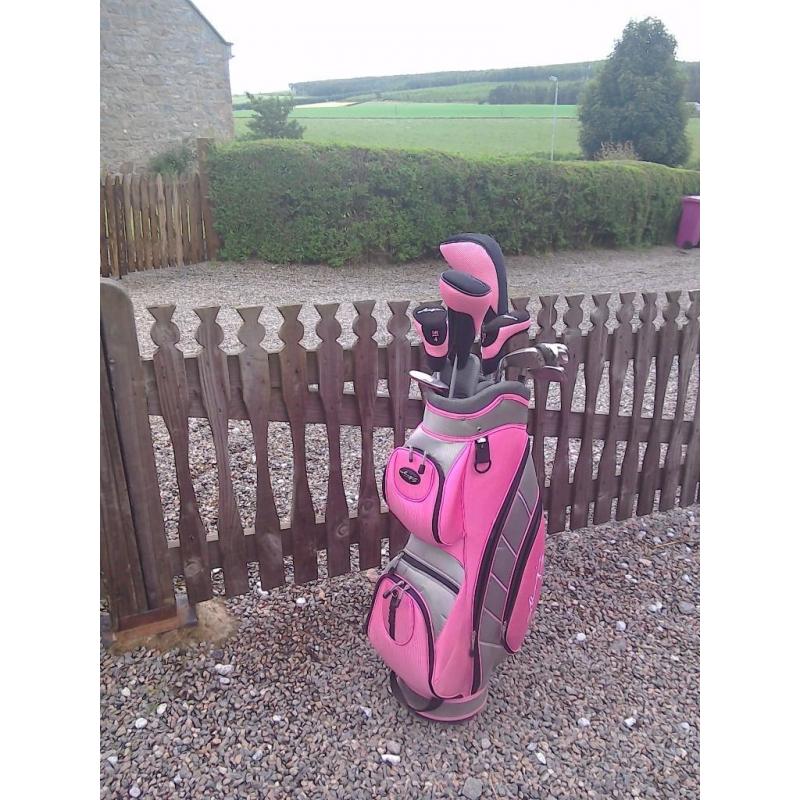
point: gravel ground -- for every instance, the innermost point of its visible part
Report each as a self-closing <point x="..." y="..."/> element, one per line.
<point x="255" y="283"/>
<point x="305" y="711"/>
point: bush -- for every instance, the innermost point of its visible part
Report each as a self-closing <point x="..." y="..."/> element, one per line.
<point x="271" y="118"/>
<point x="298" y="202"/>
<point x="177" y="161"/>
<point x="637" y="96"/>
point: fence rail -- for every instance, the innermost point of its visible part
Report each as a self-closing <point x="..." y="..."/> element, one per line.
<point x="626" y="463"/>
<point x="149" y="221"/>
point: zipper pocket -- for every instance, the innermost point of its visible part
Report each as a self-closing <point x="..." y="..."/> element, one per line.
<point x="420" y="566"/>
<point x="520" y="566"/>
<point x="486" y="564"/>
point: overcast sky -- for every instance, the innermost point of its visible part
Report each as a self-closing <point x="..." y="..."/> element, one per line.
<point x="277" y="43"/>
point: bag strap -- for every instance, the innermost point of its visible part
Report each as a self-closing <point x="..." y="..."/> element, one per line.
<point x="431" y="705"/>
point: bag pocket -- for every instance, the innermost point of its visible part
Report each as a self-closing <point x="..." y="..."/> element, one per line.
<point x="416" y="490"/>
<point x="526" y="584"/>
<point x="400" y="629"/>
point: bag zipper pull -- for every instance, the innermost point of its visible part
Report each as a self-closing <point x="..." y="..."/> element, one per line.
<point x="473" y="643"/>
<point x="483" y="458"/>
<point x="421" y="470"/>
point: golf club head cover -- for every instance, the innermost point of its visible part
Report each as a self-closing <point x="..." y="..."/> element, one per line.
<point x="467" y="299"/>
<point x="480" y="256"/>
<point x="430" y="322"/>
<point x="495" y="335"/>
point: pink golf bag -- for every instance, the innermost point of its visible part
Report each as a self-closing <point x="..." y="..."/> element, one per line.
<point x="458" y="599"/>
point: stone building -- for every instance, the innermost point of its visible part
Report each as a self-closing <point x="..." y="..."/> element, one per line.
<point x="163" y="80"/>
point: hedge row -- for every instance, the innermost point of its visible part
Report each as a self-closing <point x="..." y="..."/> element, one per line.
<point x="297" y="202"/>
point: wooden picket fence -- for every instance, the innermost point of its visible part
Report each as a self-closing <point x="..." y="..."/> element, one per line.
<point x="302" y="387"/>
<point x="149" y="221"/>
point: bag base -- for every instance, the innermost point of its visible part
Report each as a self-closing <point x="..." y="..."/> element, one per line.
<point x="437" y="710"/>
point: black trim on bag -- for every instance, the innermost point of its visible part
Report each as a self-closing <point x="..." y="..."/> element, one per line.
<point x="486" y="564"/>
<point x="519" y="568"/>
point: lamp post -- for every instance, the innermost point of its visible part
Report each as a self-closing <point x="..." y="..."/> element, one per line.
<point x="555" y="106"/>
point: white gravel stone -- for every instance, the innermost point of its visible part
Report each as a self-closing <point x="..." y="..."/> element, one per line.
<point x="655" y="607"/>
<point x="224" y="681"/>
<point x="685" y="727"/>
<point x="391" y="758"/>
<point x="276" y="717"/>
<point x="161" y="709"/>
<point x="301" y="601"/>
<point x="258" y="755"/>
<point x="367" y="712"/>
<point x="134" y="791"/>
<point x="540" y="757"/>
<point x="140" y="723"/>
<point x="583" y="722"/>
<point x="621" y="626"/>
<point x="580" y="637"/>
<point x="485" y="743"/>
<point x="393" y="746"/>
<point x="112" y="759"/>
<point x="630" y="721"/>
<point x="125" y="692"/>
<point x="223" y="669"/>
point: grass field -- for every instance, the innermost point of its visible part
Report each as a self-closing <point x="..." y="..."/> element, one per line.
<point x="458" y="93"/>
<point x="467" y="129"/>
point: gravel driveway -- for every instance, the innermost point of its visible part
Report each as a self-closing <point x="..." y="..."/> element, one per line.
<point x="306" y="712"/>
<point x="311" y="667"/>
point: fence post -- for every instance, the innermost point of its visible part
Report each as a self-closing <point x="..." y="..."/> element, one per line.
<point x="212" y="240"/>
<point x="134" y="546"/>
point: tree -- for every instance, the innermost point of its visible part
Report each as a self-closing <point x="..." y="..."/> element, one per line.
<point x="637" y="97"/>
<point x="271" y="118"/>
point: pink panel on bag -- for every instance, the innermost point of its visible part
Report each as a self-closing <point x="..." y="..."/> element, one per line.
<point x="471" y="258"/>
<point x="529" y="590"/>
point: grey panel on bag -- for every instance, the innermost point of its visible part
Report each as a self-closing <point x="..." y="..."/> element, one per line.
<point x="491" y="656"/>
<point x="435" y="557"/>
<point x="445" y="453"/>
<point x="516" y="522"/>
<point x="495" y="600"/>
<point x="504" y="561"/>
<point x="506" y="413"/>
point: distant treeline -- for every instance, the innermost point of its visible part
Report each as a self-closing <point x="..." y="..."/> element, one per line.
<point x="569" y="75"/>
<point x="542" y="92"/>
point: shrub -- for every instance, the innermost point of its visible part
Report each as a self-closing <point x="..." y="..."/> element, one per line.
<point x="176" y="161"/>
<point x="298" y="202"/>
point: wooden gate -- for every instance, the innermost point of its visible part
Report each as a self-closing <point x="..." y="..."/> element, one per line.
<point x="627" y="462"/>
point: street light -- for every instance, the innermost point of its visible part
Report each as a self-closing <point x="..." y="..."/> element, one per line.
<point x="555" y="106"/>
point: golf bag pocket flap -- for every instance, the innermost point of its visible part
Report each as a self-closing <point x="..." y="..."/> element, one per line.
<point x="423" y="496"/>
<point x="400" y="629"/>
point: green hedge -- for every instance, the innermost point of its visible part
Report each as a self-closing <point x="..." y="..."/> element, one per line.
<point x="298" y="202"/>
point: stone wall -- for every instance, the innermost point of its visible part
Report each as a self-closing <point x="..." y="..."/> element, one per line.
<point x="163" y="79"/>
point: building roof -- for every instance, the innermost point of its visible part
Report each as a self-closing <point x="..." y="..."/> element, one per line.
<point x="205" y="19"/>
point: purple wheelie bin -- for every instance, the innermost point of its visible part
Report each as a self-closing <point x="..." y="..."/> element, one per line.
<point x="689" y="226"/>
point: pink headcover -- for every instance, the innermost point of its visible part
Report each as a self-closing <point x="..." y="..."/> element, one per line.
<point x="473" y="259"/>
